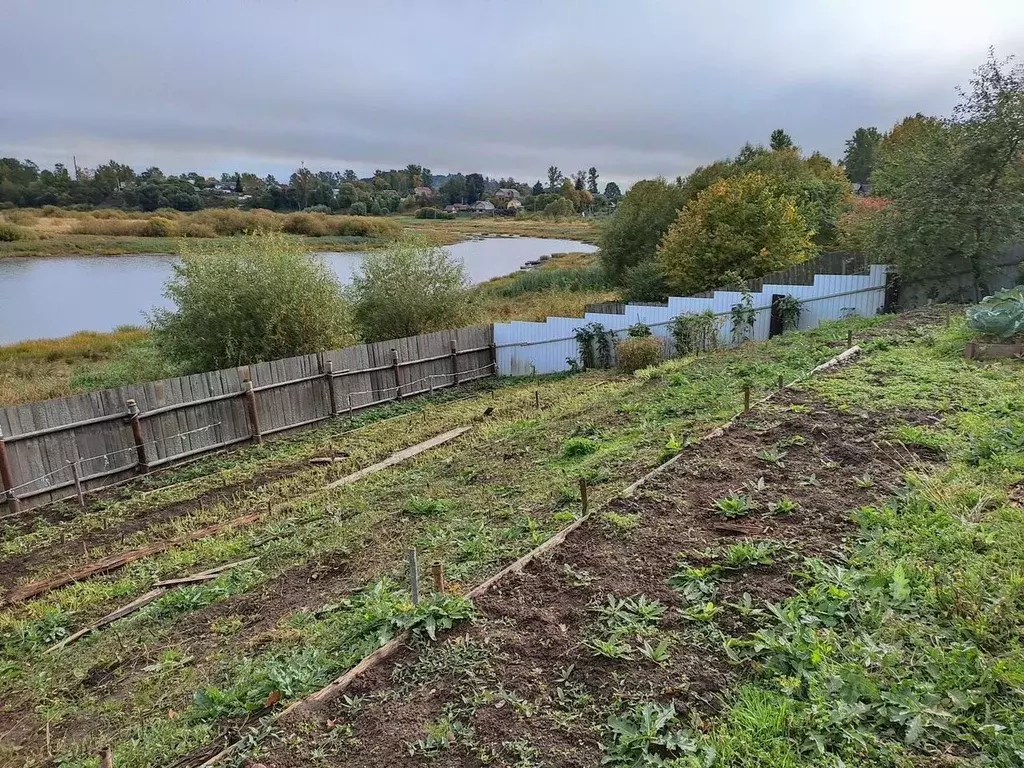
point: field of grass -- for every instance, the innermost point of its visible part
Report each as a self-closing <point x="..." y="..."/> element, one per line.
<point x="46" y="368"/>
<point x="56" y="232"/>
<point x="327" y="584"/>
<point x="836" y="581"/>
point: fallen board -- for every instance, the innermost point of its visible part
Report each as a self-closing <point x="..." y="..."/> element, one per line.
<point x="401" y="456"/>
<point x="113" y="562"/>
<point x="204" y="575"/>
<point x="110" y="618"/>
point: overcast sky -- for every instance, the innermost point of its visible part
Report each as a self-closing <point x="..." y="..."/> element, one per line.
<point x="635" y="88"/>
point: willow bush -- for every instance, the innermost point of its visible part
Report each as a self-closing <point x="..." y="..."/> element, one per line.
<point x="261" y="297"/>
<point x="406" y="289"/>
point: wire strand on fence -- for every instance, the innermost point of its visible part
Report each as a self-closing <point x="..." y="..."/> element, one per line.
<point x="106" y="457"/>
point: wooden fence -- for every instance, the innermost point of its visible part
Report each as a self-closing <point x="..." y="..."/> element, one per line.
<point x="63" y="448"/>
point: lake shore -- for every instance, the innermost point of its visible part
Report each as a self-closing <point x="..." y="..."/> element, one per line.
<point x="50" y="237"/>
<point x="44" y="368"/>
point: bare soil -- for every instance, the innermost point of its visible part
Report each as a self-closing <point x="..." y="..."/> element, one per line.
<point x="537" y="683"/>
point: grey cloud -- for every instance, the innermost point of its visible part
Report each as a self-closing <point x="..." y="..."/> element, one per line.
<point x="637" y="89"/>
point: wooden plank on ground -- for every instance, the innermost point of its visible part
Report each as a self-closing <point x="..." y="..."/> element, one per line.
<point x="110" y="618"/>
<point x="401" y="456"/>
<point x="204" y="575"/>
<point x="113" y="562"/>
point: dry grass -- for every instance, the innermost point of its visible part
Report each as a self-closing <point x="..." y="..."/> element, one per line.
<point x="449" y="231"/>
<point x="51" y="231"/>
<point x="41" y="369"/>
<point x="538" y="306"/>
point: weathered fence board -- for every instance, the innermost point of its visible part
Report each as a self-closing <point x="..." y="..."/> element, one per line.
<point x="189" y="415"/>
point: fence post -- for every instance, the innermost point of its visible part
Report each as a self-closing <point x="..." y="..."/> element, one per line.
<point x="332" y="398"/>
<point x="77" y="476"/>
<point x="775" y="318"/>
<point x="140" y="445"/>
<point x="455" y="363"/>
<point x="250" y="408"/>
<point x="494" y="355"/>
<point x="394" y="367"/>
<point x="583" y="494"/>
<point x="746" y="398"/>
<point x="8" y="478"/>
<point x="891" y="301"/>
<point x="437" y="571"/>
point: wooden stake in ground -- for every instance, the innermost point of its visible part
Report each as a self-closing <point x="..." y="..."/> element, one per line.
<point x="437" y="571"/>
<point x="746" y="398"/>
<point x="583" y="494"/>
<point x="414" y="578"/>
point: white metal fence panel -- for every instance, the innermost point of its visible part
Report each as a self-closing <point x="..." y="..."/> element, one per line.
<point x="528" y="348"/>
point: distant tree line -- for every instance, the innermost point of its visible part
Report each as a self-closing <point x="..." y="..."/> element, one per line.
<point x="24" y="184"/>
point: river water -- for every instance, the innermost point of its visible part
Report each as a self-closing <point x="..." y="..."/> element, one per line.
<point x="51" y="296"/>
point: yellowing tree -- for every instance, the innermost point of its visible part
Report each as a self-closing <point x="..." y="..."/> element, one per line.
<point x="743" y="225"/>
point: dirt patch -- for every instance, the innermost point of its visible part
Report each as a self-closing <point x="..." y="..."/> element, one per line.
<point x="528" y="675"/>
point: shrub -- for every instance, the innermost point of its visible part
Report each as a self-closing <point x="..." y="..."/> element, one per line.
<point x="409" y="288"/>
<point x="10" y="233"/>
<point x="695" y="332"/>
<point x="160" y="227"/>
<point x="316" y="209"/>
<point x="428" y="213"/>
<point x="358" y="209"/>
<point x="744" y="225"/>
<point x="560" y="207"/>
<point x="192" y="228"/>
<point x="643" y="216"/>
<point x="638" y="352"/>
<point x="260" y="298"/>
<point x="644" y="282"/>
<point x="308" y="224"/>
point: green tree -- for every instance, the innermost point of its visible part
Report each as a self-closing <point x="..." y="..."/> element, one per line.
<point x="538" y="188"/>
<point x="579" y="180"/>
<point x="612" y="193"/>
<point x="475" y="187"/>
<point x="861" y="149"/>
<point x="260" y="297"/>
<point x="957" y="185"/>
<point x="632" y="235"/>
<point x="554" y="178"/>
<point x="743" y="225"/>
<point x="559" y="208"/>
<point x="407" y="289"/>
<point x="780" y="140"/>
<point x="453" y="190"/>
<point x="592" y="180"/>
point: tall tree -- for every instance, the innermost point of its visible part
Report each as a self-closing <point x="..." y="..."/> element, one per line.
<point x="554" y="178"/>
<point x="592" y="180"/>
<point x="743" y="225"/>
<point x="612" y="193"/>
<point x="780" y="140"/>
<point x="579" y="180"/>
<point x="861" y="150"/>
<point x="957" y="185"/>
<point x="538" y="188"/>
<point x="643" y="216"/>
<point x="474" y="187"/>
